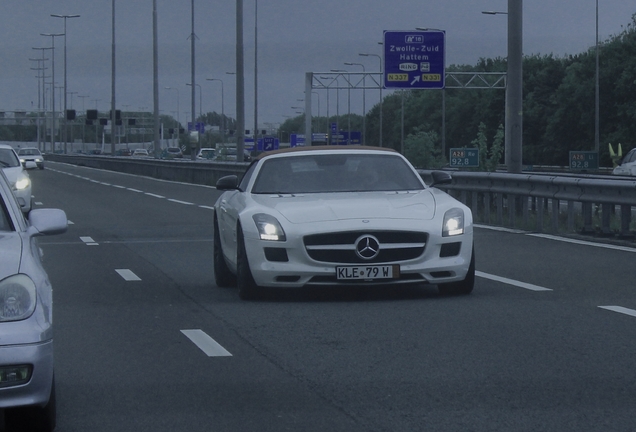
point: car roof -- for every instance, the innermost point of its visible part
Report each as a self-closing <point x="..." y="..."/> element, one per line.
<point x="324" y="147"/>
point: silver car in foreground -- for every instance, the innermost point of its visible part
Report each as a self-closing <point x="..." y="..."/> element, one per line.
<point x="339" y="215"/>
<point x="27" y="384"/>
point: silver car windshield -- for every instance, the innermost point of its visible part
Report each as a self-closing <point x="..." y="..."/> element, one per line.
<point x="335" y="173"/>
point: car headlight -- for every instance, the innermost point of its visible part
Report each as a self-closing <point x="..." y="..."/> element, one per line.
<point x="268" y="227"/>
<point x="22" y="183"/>
<point x="453" y="223"/>
<point x="17" y="298"/>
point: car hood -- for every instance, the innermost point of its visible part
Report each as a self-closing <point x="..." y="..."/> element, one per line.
<point x="10" y="252"/>
<point x="12" y="173"/>
<point x="342" y="206"/>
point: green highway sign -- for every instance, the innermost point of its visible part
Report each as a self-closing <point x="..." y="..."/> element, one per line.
<point x="583" y="160"/>
<point x="464" y="157"/>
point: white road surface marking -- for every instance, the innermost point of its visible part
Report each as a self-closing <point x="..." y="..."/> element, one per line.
<point x="89" y="241"/>
<point x="511" y="282"/>
<point x="154" y="195"/>
<point x="620" y="309"/>
<point x="206" y="344"/>
<point x="179" y="202"/>
<point x="128" y="275"/>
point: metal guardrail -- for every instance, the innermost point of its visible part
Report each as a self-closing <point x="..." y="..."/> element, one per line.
<point x="571" y="205"/>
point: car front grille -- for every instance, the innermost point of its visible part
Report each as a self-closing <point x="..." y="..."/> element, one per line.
<point x="340" y="247"/>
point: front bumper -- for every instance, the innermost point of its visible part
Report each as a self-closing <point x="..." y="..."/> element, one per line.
<point x="299" y="270"/>
<point x="38" y="389"/>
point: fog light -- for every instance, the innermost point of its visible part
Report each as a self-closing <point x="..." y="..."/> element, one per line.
<point x="14" y="375"/>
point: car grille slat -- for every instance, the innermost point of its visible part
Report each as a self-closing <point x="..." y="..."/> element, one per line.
<point x="341" y="247"/>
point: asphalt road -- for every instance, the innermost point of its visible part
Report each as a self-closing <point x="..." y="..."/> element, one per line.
<point x="546" y="342"/>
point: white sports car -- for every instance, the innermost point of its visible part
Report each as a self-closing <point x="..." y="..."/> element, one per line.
<point x="339" y="216"/>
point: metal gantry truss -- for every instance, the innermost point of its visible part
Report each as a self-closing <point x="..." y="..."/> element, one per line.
<point x="373" y="81"/>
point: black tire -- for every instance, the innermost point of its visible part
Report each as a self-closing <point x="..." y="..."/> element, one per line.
<point x="34" y="418"/>
<point x="222" y="274"/>
<point x="463" y="287"/>
<point x="248" y="290"/>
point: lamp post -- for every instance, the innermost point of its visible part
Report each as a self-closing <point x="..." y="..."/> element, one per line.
<point x="255" y="72"/>
<point x="328" y="119"/>
<point x="379" y="58"/>
<point x="596" y="93"/>
<point x="348" y="102"/>
<point x="200" y="99"/>
<point x="178" y="121"/>
<point x="53" y="36"/>
<point x="42" y="68"/>
<point x="514" y="89"/>
<point x="83" y="125"/>
<point x="364" y="92"/>
<point x="65" y="86"/>
<point x="222" y="105"/>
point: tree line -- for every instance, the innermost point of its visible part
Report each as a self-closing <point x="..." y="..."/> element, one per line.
<point x="558" y="108"/>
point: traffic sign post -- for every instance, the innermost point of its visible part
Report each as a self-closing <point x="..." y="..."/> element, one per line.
<point x="414" y="59"/>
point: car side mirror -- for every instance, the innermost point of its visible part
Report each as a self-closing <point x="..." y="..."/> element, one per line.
<point x="440" y="178"/>
<point x="227" y="183"/>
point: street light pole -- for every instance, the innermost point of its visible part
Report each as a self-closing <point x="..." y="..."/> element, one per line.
<point x="364" y="92"/>
<point x="53" y="36"/>
<point x="178" y="121"/>
<point x="597" y="93"/>
<point x="222" y="105"/>
<point x="65" y="87"/>
<point x="514" y="86"/>
<point x="381" y="80"/>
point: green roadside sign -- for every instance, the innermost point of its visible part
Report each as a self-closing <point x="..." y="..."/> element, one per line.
<point x="583" y="160"/>
<point x="464" y="157"/>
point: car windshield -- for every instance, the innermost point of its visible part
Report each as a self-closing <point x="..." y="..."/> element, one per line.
<point x="344" y="172"/>
<point x="8" y="158"/>
<point x="29" y="152"/>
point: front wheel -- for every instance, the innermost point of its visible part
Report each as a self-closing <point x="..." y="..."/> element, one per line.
<point x="222" y="274"/>
<point x="463" y="287"/>
<point x="248" y="290"/>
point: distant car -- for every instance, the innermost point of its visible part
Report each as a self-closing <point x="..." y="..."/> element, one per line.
<point x="27" y="383"/>
<point x="31" y="154"/>
<point x="18" y="177"/>
<point x="627" y="165"/>
<point x="229" y="154"/>
<point x="339" y="215"/>
<point x="206" y="153"/>
<point x="171" y="153"/>
<point x="140" y="153"/>
<point x="123" y="152"/>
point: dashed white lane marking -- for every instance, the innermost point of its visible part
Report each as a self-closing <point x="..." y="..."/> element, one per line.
<point x="154" y="195"/>
<point x="180" y="202"/>
<point x="511" y="282"/>
<point x="128" y="275"/>
<point x="206" y="344"/>
<point x="620" y="309"/>
<point x="38" y="203"/>
<point x="206" y="207"/>
<point x="134" y="190"/>
<point x="89" y="241"/>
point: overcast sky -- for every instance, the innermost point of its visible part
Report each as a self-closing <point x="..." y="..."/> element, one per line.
<point x="294" y="37"/>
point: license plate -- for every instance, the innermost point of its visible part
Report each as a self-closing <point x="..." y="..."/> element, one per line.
<point x="368" y="272"/>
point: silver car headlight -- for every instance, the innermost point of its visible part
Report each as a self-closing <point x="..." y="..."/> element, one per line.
<point x="17" y="298"/>
<point x="453" y="223"/>
<point x="268" y="227"/>
<point x="22" y="183"/>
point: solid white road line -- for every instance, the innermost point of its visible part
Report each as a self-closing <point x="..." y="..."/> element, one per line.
<point x="89" y="241"/>
<point x="620" y="309"/>
<point x="128" y="275"/>
<point x="206" y="344"/>
<point x="511" y="282"/>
